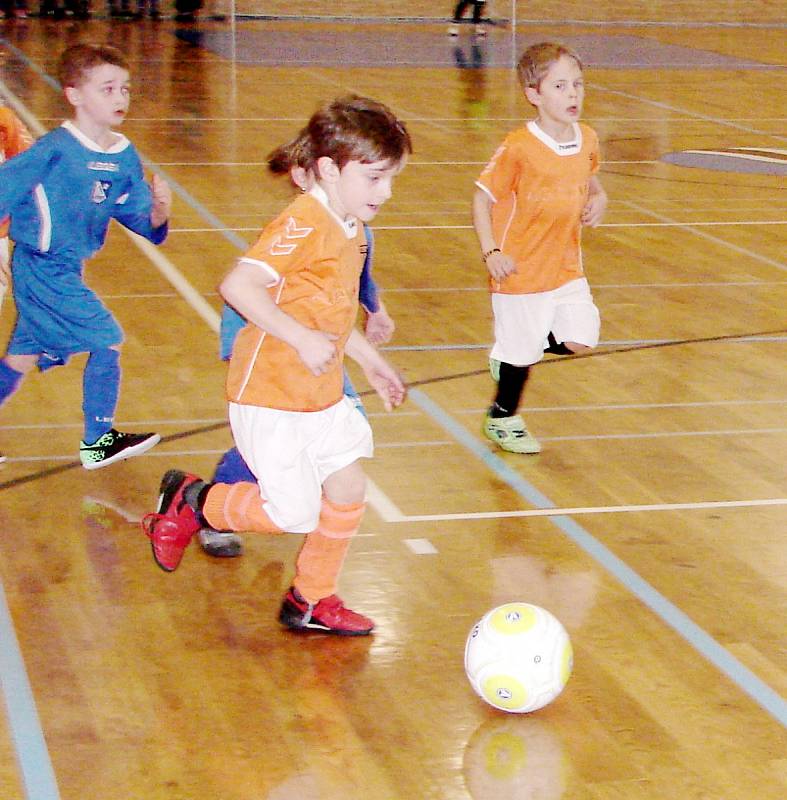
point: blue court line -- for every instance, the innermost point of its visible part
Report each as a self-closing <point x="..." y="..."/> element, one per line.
<point x="698" y="638"/>
<point x="38" y="776"/>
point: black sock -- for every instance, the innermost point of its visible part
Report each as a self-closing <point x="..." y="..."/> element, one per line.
<point x="509" y="390"/>
<point x="194" y="496"/>
<point x="558" y="348"/>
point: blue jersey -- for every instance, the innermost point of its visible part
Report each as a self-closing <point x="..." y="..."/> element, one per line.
<point x="61" y="195"/>
<point x="63" y="192"/>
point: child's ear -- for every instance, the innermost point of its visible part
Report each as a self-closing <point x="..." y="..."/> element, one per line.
<point x="327" y="169"/>
<point x="72" y="95"/>
<point x="533" y="96"/>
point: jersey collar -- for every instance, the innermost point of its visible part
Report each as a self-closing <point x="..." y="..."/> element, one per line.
<point x="120" y="145"/>
<point x="561" y="148"/>
<point x="349" y="226"/>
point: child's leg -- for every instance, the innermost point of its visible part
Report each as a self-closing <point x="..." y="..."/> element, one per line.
<point x="13" y="369"/>
<point x="322" y="555"/>
<point x="311" y="603"/>
<point x="103" y="445"/>
<point x="100" y="390"/>
<point x="510" y="387"/>
<point x="232" y="469"/>
<point x="478" y="7"/>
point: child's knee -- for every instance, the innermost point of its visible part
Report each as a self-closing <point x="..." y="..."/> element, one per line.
<point x="21" y="363"/>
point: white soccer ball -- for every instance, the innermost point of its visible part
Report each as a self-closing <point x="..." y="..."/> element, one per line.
<point x="518" y="657"/>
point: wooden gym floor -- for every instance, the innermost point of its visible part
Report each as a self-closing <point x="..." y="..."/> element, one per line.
<point x="653" y="524"/>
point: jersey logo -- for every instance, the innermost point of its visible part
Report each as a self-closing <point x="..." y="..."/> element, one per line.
<point x="279" y="247"/>
<point x="100" y="189"/>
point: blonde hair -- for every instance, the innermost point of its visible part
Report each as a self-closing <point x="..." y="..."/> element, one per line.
<point x="538" y="58"/>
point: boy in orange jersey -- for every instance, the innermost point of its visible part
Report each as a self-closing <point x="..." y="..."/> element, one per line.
<point x="532" y="200"/>
<point x="292" y="424"/>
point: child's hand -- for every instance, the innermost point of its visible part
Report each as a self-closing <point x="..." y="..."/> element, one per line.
<point x="594" y="209"/>
<point x="5" y="271"/>
<point x="387" y="382"/>
<point x="379" y="326"/>
<point x="317" y="351"/>
<point x="162" y="201"/>
<point x="500" y="265"/>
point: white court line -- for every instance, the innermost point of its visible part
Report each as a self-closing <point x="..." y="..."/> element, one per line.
<point x="394" y="515"/>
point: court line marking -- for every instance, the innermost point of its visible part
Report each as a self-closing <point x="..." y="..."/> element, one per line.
<point x="680" y="622"/>
<point x="395" y="516"/>
<point x="37" y="774"/>
<point x="377" y="495"/>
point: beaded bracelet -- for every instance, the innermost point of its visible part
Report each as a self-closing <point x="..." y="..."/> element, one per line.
<point x="489" y="253"/>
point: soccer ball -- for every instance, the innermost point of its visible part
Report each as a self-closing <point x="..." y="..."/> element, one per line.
<point x="518" y="657"/>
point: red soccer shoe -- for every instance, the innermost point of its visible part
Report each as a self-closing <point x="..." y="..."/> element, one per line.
<point x="328" y="616"/>
<point x="174" y="522"/>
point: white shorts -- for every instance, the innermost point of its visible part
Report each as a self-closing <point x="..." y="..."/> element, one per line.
<point x="524" y="321"/>
<point x="292" y="453"/>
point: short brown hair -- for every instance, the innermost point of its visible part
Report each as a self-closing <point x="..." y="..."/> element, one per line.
<point x="537" y="60"/>
<point x="350" y="128"/>
<point x="79" y="59"/>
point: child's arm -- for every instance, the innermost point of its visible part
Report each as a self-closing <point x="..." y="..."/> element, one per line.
<point x="596" y="205"/>
<point x="379" y="326"/>
<point x="246" y="289"/>
<point x="498" y="264"/>
<point x="382" y="377"/>
<point x="162" y="202"/>
<point x="5" y="268"/>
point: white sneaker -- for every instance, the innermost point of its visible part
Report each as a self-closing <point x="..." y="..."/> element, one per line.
<point x="453" y="30"/>
<point x="480" y="31"/>
<point x="510" y="433"/>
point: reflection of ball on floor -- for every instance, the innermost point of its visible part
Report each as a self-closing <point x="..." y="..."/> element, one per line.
<point x="518" y="657"/>
<point x="515" y="758"/>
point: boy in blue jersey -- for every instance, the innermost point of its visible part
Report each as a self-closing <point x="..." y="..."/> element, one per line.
<point x="378" y="328"/>
<point x="61" y="195"/>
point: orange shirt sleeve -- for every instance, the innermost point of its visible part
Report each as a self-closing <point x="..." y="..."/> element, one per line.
<point x="14" y="139"/>
<point x="501" y="175"/>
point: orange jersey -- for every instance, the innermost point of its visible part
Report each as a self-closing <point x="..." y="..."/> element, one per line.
<point x="539" y="187"/>
<point x="14" y="138"/>
<point x="314" y="261"/>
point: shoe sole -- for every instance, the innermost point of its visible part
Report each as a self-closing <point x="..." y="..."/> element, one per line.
<point x="290" y="617"/>
<point x="227" y="549"/>
<point x="129" y="452"/>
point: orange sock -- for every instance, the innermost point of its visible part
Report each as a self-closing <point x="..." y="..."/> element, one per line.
<point x="237" y="507"/>
<point x="322" y="554"/>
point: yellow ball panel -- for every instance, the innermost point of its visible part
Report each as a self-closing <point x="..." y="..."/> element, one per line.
<point x="513" y="618"/>
<point x="504" y="691"/>
<point x="567" y="663"/>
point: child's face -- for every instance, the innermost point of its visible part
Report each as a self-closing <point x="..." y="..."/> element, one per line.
<point x="359" y="189"/>
<point x="102" y="99"/>
<point x="560" y="95"/>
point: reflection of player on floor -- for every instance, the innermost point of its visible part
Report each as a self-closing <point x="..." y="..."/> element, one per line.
<point x="62" y="194"/>
<point x="379" y="328"/>
<point x="303" y="440"/>
<point x="459" y="12"/>
<point x="532" y="200"/>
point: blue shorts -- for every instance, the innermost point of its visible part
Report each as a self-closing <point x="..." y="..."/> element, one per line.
<point x="57" y="314"/>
